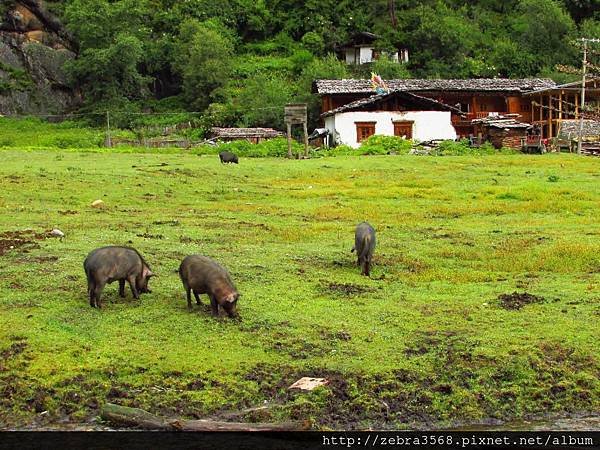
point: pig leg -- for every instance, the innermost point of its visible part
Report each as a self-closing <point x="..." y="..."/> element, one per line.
<point x="132" y="284"/>
<point x="188" y="292"/>
<point x="122" y="288"/>
<point x="96" y="293"/>
<point x="214" y="306"/>
<point x="91" y="287"/>
<point x="366" y="267"/>
<point x="198" y="302"/>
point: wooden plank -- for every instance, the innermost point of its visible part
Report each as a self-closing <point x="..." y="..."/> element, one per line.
<point x="289" y="140"/>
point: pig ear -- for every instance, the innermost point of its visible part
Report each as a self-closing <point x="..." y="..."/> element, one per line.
<point x="231" y="298"/>
<point x="147" y="273"/>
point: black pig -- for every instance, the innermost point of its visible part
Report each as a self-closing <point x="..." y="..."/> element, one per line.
<point x="108" y="264"/>
<point x="364" y="244"/>
<point x="202" y="275"/>
<point x="228" y="157"/>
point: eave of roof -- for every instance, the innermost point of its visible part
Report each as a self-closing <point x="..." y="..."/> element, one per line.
<point x="565" y="85"/>
<point x="354" y="86"/>
<point x="359" y="105"/>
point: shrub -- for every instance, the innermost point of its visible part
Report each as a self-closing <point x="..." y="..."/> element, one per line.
<point x="384" y="145"/>
<point x="462" y="147"/>
<point x="271" y="148"/>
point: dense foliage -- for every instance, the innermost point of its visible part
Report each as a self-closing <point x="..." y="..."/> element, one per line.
<point x="240" y="61"/>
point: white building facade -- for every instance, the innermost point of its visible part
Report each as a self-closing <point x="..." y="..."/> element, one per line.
<point x="351" y="128"/>
<point x="396" y="113"/>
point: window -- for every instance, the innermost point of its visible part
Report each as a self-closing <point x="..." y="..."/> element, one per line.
<point x="403" y="129"/>
<point x="525" y="107"/>
<point x="483" y="107"/>
<point x="364" y="130"/>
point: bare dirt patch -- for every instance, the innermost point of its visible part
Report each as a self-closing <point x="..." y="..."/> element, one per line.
<point x="24" y="240"/>
<point x="517" y="300"/>
<point x="347" y="289"/>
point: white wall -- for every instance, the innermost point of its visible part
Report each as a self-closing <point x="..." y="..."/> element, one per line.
<point x="366" y="54"/>
<point x="350" y="55"/>
<point x="428" y="125"/>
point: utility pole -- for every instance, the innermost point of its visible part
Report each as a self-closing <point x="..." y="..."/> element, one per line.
<point x="582" y="105"/>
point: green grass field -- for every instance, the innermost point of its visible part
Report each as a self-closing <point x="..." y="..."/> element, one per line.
<point x="424" y="341"/>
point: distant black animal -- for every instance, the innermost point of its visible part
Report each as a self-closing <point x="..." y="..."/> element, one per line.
<point x="364" y="244"/>
<point x="107" y="264"/>
<point x="202" y="275"/>
<point x="228" y="157"/>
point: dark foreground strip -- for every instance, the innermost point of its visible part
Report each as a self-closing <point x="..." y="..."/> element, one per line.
<point x="133" y="440"/>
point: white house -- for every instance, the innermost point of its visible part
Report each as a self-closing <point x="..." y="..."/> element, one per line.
<point x="397" y="113"/>
<point x="361" y="50"/>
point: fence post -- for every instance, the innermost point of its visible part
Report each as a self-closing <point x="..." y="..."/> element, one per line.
<point x="108" y="139"/>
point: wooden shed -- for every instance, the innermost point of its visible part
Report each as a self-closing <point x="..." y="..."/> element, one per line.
<point x="254" y="135"/>
<point x="501" y="131"/>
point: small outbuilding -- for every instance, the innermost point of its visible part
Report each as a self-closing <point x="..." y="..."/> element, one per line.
<point x="501" y="130"/>
<point x="360" y="49"/>
<point x="396" y="113"/>
<point x="253" y="135"/>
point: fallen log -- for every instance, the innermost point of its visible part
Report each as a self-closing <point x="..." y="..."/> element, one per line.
<point x="213" y="425"/>
<point x="124" y="416"/>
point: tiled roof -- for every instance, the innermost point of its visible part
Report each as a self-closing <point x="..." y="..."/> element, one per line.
<point x="244" y="132"/>
<point x="427" y="103"/>
<point x="502" y="121"/>
<point x="476" y="84"/>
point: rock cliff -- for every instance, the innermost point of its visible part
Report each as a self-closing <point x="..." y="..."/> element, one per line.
<point x="34" y="45"/>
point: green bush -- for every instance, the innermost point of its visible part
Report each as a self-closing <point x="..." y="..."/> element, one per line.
<point x="462" y="147"/>
<point x="341" y="150"/>
<point x="385" y="145"/>
<point x="271" y="148"/>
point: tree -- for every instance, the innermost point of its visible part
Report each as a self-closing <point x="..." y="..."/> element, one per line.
<point x="545" y="29"/>
<point x="262" y="99"/>
<point x="320" y="68"/>
<point x="443" y="37"/>
<point x="202" y="59"/>
<point x="110" y="37"/>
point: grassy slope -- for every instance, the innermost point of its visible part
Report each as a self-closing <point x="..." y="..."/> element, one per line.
<point x="423" y="340"/>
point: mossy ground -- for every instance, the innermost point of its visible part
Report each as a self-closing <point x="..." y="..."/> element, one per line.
<point x="425" y="340"/>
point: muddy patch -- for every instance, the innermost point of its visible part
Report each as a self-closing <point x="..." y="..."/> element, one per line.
<point x="516" y="300"/>
<point x="24" y="240"/>
<point x="346" y="289"/>
<point x="330" y="335"/>
<point x="298" y="348"/>
<point x="14" y="350"/>
<point x="173" y="223"/>
<point x="150" y="236"/>
<point x="428" y="341"/>
<point x="43" y="259"/>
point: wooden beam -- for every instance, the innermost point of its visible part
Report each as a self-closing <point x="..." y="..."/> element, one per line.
<point x="550" y="110"/>
<point x="560" y="103"/>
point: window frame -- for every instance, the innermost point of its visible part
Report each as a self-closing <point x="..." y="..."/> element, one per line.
<point x="405" y="123"/>
<point x="367" y="125"/>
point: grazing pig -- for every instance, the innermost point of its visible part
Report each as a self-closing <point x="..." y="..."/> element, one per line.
<point x="202" y="275"/>
<point x="108" y="264"/>
<point x="364" y="244"/>
<point x="228" y="157"/>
